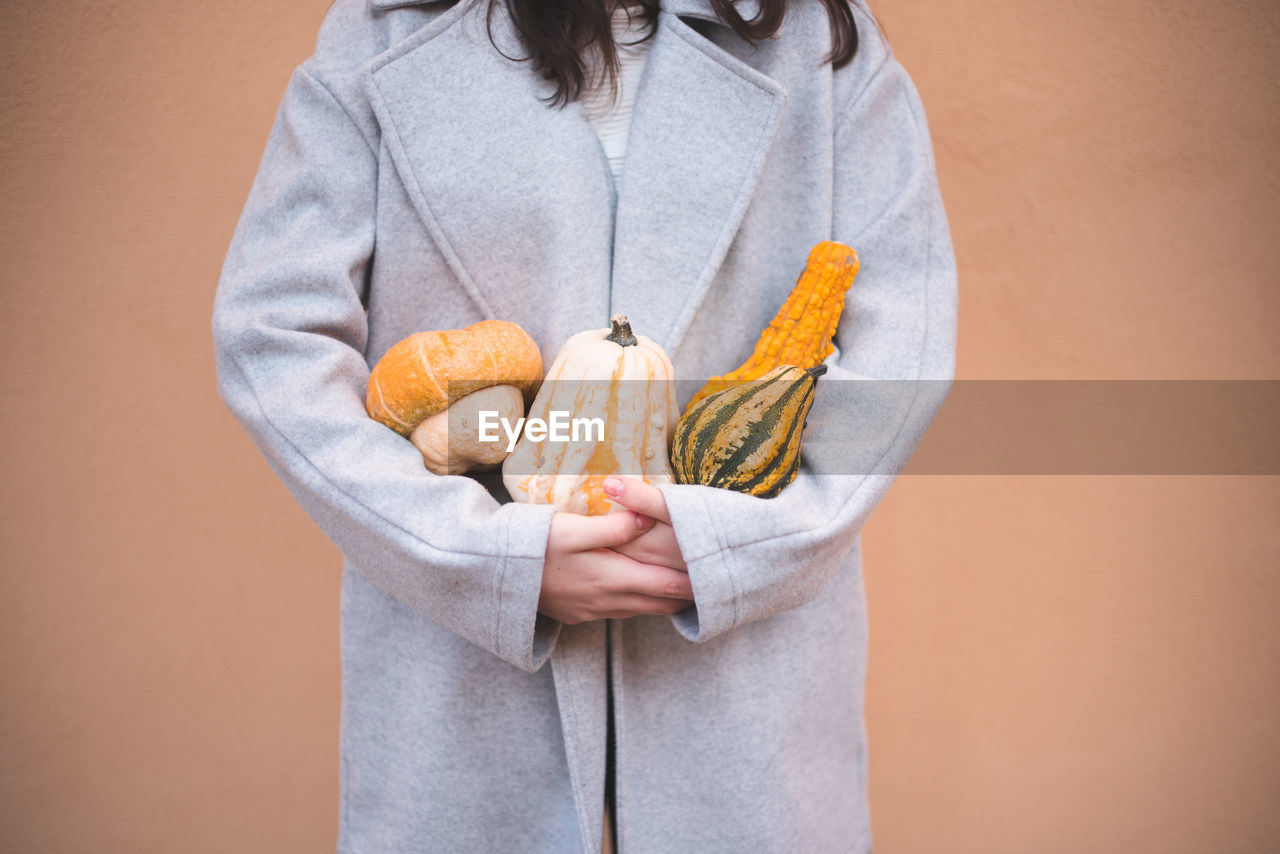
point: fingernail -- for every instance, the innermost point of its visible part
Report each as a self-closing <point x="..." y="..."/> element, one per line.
<point x="613" y="486"/>
<point x="643" y="521"/>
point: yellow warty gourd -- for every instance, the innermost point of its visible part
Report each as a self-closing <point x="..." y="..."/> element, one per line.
<point x="800" y="333"/>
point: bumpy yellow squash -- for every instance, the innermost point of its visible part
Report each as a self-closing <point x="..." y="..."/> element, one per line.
<point x="801" y="332"/>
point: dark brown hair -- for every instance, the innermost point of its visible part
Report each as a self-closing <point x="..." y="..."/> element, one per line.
<point x="560" y="34"/>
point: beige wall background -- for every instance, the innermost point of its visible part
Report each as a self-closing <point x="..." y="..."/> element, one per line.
<point x="1059" y="664"/>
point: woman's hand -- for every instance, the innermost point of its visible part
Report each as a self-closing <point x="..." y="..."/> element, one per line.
<point x="657" y="545"/>
<point x="587" y="576"/>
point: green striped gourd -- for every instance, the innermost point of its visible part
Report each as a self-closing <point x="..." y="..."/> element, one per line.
<point x="747" y="437"/>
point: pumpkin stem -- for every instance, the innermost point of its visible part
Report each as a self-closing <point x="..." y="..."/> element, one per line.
<point x="816" y="371"/>
<point x="621" y="334"/>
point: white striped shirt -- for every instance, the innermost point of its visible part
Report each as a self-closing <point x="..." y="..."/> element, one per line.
<point x="610" y="115"/>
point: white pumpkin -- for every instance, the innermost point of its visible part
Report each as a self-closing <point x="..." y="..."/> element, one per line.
<point x="624" y="380"/>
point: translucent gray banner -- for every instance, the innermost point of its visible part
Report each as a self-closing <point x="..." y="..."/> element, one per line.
<point x="1104" y="427"/>
<point x="992" y="427"/>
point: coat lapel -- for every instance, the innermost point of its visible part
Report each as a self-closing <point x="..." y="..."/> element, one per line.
<point x="470" y="133"/>
<point x="579" y="668"/>
<point x="516" y="194"/>
<point x="703" y="124"/>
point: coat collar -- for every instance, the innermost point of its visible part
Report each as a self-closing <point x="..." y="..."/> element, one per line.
<point x="683" y="8"/>
<point x="748" y="9"/>
<point x="702" y="125"/>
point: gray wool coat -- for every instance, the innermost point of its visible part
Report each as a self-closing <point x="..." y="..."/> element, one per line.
<point x="416" y="179"/>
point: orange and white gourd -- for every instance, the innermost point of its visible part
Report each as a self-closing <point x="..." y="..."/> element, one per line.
<point x="431" y="387"/>
<point x="623" y="379"/>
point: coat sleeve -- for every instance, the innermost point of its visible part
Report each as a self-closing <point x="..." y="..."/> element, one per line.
<point x="894" y="361"/>
<point x="290" y="330"/>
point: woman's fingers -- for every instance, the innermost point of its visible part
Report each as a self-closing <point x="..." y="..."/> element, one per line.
<point x="633" y="577"/>
<point x="632" y="588"/>
<point x="584" y="533"/>
<point x="639" y="496"/>
<point x="584" y="577"/>
<point x="657" y="546"/>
